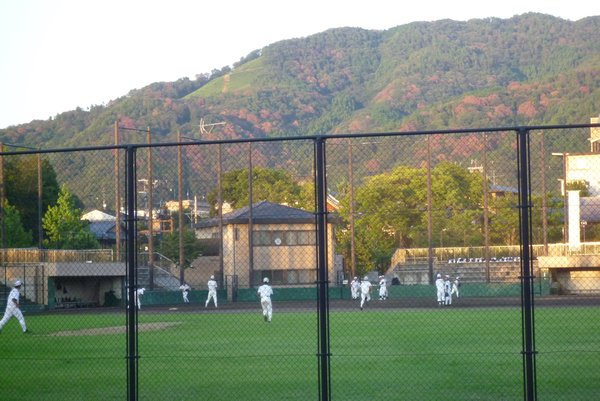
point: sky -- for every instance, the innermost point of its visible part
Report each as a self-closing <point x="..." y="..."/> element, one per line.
<point x="62" y="54"/>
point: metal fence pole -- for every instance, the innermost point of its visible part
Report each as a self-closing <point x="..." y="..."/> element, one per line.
<point x="527" y="308"/>
<point x="323" y="280"/>
<point x="132" y="315"/>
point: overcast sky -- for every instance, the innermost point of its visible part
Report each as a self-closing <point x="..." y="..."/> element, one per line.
<point x="57" y="55"/>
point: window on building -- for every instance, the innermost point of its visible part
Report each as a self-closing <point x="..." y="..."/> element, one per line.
<point x="285" y="277"/>
<point x="284" y="238"/>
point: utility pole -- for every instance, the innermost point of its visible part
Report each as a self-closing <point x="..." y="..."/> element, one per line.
<point x="250" y="218"/>
<point x="150" y="214"/>
<point x="544" y="205"/>
<point x="204" y="130"/>
<point x="351" y="217"/>
<point x="180" y="201"/>
<point x="486" y="217"/>
<point x="429" y="213"/>
<point x="117" y="198"/>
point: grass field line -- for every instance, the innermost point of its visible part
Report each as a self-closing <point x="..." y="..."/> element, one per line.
<point x="114" y="329"/>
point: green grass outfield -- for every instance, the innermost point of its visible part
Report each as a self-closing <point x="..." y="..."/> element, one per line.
<point x="388" y="354"/>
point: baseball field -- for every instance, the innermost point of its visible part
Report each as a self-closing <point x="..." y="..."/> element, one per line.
<point x="403" y="353"/>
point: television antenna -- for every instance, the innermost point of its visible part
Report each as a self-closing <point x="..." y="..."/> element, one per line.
<point x="207" y="128"/>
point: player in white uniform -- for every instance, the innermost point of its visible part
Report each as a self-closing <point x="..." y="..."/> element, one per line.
<point x="365" y="292"/>
<point x="447" y="291"/>
<point x="212" y="291"/>
<point x="138" y="295"/>
<point x="355" y="288"/>
<point x="12" y="307"/>
<point x="185" y="290"/>
<point x="439" y="285"/>
<point x="456" y="286"/>
<point x="383" y="291"/>
<point x="264" y="292"/>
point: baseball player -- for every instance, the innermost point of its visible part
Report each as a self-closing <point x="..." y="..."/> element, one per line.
<point x="185" y="290"/>
<point x="447" y="290"/>
<point x="355" y="288"/>
<point x="439" y="285"/>
<point x="12" y="307"/>
<point x="383" y="292"/>
<point x="138" y="295"/>
<point x="365" y="292"/>
<point x="212" y="291"/>
<point x="264" y="292"/>
<point x="456" y="286"/>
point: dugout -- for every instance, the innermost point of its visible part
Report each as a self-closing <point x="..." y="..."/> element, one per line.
<point x="87" y="284"/>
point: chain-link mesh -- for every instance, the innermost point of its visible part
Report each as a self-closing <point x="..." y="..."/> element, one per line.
<point x="196" y="271"/>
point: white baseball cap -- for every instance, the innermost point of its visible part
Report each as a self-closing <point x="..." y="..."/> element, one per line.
<point x="265" y="280"/>
<point x="18" y="283"/>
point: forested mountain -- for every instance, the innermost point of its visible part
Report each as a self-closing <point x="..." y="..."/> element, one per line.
<point x="529" y="69"/>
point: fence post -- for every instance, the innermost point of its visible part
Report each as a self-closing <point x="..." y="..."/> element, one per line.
<point x="527" y="311"/>
<point x="132" y="315"/>
<point x="322" y="280"/>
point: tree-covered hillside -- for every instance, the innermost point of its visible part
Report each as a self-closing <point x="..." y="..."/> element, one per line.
<point x="529" y="69"/>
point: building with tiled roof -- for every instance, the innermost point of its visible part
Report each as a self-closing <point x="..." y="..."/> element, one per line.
<point x="283" y="246"/>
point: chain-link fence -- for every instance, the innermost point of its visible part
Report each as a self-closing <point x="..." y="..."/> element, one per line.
<point x="417" y="266"/>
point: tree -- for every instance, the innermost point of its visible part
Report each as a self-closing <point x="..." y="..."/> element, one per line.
<point x="192" y="247"/>
<point x="16" y="235"/>
<point x="457" y="205"/>
<point x="391" y="211"/>
<point x="273" y="185"/>
<point x="64" y="227"/>
<point x="504" y="224"/>
<point x="387" y="209"/>
<point x="21" y="175"/>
